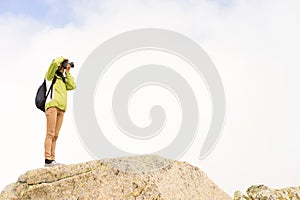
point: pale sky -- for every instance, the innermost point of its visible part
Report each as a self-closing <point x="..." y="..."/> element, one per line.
<point x="255" y="46"/>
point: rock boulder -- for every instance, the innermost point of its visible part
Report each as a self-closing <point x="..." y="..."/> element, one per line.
<point x="262" y="192"/>
<point x="138" y="177"/>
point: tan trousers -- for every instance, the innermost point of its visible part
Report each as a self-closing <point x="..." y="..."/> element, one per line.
<point x="55" y="118"/>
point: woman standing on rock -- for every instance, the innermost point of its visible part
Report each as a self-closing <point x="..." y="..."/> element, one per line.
<point x="56" y="103"/>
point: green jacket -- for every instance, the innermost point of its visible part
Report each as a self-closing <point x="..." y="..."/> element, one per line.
<point x="59" y="96"/>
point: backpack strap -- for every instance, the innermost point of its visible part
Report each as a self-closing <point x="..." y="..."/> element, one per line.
<point x="51" y="88"/>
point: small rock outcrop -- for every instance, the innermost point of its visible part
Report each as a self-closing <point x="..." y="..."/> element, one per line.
<point x="138" y="177"/>
<point x="262" y="192"/>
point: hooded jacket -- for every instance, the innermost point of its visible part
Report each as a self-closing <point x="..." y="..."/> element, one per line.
<point x="60" y="88"/>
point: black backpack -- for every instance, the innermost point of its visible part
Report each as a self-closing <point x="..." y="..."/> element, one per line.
<point x="41" y="96"/>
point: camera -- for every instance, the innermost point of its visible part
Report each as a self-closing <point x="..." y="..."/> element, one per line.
<point x="72" y="64"/>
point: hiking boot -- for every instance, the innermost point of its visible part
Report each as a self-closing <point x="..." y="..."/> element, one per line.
<point x="51" y="164"/>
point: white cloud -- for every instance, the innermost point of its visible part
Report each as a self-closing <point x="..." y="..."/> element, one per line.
<point x="254" y="44"/>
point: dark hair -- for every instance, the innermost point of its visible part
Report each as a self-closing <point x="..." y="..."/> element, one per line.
<point x="64" y="64"/>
